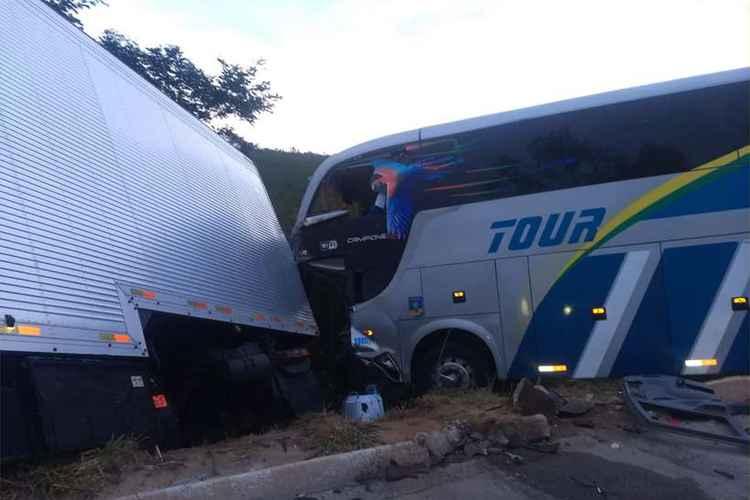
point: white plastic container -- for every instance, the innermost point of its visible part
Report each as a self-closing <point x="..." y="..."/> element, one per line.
<point x="364" y="407"/>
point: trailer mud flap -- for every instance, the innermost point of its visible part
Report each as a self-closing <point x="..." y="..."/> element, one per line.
<point x="86" y="402"/>
<point x="297" y="385"/>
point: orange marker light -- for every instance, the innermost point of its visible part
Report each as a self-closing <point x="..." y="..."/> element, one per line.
<point x="30" y="330"/>
<point x="599" y="312"/>
<point x="694" y="363"/>
<point x="552" y="368"/>
<point x="146" y="294"/>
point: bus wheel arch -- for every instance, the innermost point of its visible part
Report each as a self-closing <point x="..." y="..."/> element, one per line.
<point x="452" y="358"/>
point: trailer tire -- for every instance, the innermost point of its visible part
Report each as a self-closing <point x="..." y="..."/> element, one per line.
<point x="452" y="365"/>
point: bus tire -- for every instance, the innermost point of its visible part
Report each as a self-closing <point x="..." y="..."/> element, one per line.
<point x="452" y="366"/>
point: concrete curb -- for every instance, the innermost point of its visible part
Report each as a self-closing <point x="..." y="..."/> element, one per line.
<point x="290" y="480"/>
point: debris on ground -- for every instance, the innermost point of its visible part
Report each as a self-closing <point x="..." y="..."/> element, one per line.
<point x="575" y="407"/>
<point x="585" y="423"/>
<point x="453" y="425"/>
<point x="589" y="484"/>
<point x="396" y="472"/>
<point x="530" y="399"/>
<point x="725" y="474"/>
<point x="516" y="459"/>
<point x="683" y="406"/>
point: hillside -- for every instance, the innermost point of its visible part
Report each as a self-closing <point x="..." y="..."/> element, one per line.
<point x="285" y="175"/>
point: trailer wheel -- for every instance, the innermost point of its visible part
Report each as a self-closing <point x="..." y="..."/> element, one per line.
<point x="452" y="366"/>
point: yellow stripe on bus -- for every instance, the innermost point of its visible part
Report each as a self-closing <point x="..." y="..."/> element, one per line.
<point x="650" y="198"/>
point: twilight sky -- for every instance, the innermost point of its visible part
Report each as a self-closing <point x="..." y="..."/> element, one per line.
<point x="353" y="70"/>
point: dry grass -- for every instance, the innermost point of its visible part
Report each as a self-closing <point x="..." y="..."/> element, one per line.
<point x="599" y="389"/>
<point x="448" y="404"/>
<point x="330" y="433"/>
<point x="84" y="477"/>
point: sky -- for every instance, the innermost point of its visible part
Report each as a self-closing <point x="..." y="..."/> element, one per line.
<point x="354" y="70"/>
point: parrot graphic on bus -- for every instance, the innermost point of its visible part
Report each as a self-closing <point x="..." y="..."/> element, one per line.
<point x="398" y="184"/>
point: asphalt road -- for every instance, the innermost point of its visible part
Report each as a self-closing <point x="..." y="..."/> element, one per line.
<point x="611" y="465"/>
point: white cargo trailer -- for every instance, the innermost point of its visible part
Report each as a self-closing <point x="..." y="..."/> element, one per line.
<point x="143" y="271"/>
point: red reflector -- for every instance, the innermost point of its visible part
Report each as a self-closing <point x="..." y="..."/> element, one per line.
<point x="260" y="317"/>
<point x="160" y="400"/>
<point x="224" y="309"/>
<point x="146" y="294"/>
<point x="198" y="305"/>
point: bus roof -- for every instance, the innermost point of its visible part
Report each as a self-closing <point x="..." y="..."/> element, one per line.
<point x="553" y="108"/>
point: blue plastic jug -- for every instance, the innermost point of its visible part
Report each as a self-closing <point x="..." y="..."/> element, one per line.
<point x="366" y="407"/>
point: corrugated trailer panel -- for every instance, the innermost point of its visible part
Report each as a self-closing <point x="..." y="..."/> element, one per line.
<point x="109" y="186"/>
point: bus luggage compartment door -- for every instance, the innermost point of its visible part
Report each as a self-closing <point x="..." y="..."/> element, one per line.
<point x="702" y="277"/>
<point x="460" y="289"/>
<point x="565" y="332"/>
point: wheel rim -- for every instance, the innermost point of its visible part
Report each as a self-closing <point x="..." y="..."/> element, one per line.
<point x="453" y="373"/>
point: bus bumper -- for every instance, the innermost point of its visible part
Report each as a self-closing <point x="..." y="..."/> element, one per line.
<point x="375" y="358"/>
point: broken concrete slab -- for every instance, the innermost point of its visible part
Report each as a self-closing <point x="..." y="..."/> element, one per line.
<point x="295" y="479"/>
<point x="575" y="408"/>
<point x="516" y="430"/>
<point x="732" y="389"/>
<point x="530" y="399"/>
<point x="441" y="443"/>
<point x="498" y="438"/>
<point x="530" y="428"/>
<point x="473" y="448"/>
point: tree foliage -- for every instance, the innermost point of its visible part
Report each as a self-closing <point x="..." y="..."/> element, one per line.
<point x="234" y="92"/>
<point x="69" y="9"/>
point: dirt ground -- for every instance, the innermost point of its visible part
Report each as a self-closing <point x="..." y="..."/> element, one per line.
<point x="312" y="436"/>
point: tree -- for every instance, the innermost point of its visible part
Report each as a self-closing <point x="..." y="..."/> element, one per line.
<point x="69" y="9"/>
<point x="233" y="92"/>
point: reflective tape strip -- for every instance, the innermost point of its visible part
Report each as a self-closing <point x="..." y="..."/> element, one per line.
<point x="120" y="338"/>
<point x="146" y="294"/>
<point x="30" y="330"/>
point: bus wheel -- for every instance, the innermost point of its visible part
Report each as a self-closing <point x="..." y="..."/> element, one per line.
<point x="453" y="366"/>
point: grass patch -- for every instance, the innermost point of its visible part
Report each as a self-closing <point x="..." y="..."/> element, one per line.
<point x="330" y="433"/>
<point x="447" y="404"/>
<point x="83" y="477"/>
<point x="599" y="389"/>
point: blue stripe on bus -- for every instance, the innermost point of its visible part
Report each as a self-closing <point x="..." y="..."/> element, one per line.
<point x="738" y="358"/>
<point x="729" y="190"/>
<point x="692" y="276"/>
<point x="552" y="337"/>
<point x="646" y="348"/>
